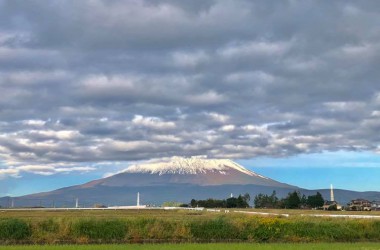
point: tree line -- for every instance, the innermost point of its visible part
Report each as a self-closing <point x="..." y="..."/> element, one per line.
<point x="242" y="201"/>
<point x="294" y="200"/>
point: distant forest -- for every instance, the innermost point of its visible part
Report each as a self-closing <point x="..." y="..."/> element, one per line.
<point x="294" y="200"/>
<point x="242" y="201"/>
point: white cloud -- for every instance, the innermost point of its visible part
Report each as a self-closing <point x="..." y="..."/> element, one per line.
<point x="250" y="76"/>
<point x="218" y="117"/>
<point x="255" y="128"/>
<point x="345" y="106"/>
<point x="34" y="77"/>
<point x="254" y="48"/>
<point x="375" y="113"/>
<point x="42" y="169"/>
<point x="34" y="122"/>
<point x="127" y="145"/>
<point x="228" y="128"/>
<point x="167" y="138"/>
<point x="208" y="98"/>
<point x="189" y="59"/>
<point x="101" y="84"/>
<point x="9" y="172"/>
<point x="152" y="122"/>
<point x="60" y="134"/>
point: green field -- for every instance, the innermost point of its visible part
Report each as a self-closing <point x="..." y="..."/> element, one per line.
<point x="243" y="246"/>
<point x="179" y="226"/>
<point x="36" y="215"/>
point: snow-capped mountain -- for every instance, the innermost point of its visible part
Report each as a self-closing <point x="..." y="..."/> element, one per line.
<point x="195" y="171"/>
<point x="175" y="179"/>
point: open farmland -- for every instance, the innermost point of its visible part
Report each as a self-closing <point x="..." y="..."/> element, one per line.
<point x="34" y="214"/>
<point x="212" y="246"/>
<point x="177" y="226"/>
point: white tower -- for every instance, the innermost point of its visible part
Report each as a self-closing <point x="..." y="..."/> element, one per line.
<point x="76" y="203"/>
<point x="332" y="193"/>
<point x="138" y="199"/>
<point x="231" y="195"/>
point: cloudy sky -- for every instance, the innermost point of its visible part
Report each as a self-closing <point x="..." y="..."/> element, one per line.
<point x="289" y="88"/>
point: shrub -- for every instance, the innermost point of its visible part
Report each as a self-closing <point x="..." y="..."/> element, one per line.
<point x="49" y="226"/>
<point x="214" y="229"/>
<point x="14" y="229"/>
<point x="267" y="229"/>
<point x="107" y="230"/>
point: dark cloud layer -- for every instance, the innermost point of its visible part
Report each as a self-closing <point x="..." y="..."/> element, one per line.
<point x="84" y="82"/>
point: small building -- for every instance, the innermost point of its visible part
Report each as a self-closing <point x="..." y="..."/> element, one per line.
<point x="375" y="205"/>
<point x="331" y="205"/>
<point x="360" y="205"/>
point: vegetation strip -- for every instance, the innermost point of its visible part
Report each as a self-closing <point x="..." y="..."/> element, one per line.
<point x="178" y="226"/>
<point x="244" y="246"/>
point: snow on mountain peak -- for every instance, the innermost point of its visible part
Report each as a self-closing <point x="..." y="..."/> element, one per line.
<point x="192" y="165"/>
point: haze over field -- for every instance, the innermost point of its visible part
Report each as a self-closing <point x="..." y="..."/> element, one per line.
<point x="289" y="89"/>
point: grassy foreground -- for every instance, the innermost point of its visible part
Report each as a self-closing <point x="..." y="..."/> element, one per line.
<point x="243" y="246"/>
<point x="100" y="227"/>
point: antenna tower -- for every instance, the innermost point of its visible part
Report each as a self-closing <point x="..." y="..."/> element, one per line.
<point x="332" y="193"/>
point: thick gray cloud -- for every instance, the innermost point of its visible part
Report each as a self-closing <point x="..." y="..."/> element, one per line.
<point x="85" y="82"/>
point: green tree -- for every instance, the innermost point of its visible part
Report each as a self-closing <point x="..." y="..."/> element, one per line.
<point x="265" y="201"/>
<point x="273" y="200"/>
<point x="232" y="202"/>
<point x="241" y="202"/>
<point x="258" y="201"/>
<point x="171" y="204"/>
<point x="193" y="203"/>
<point x="303" y="200"/>
<point x="293" y="200"/>
<point x="247" y="197"/>
<point x="315" y="201"/>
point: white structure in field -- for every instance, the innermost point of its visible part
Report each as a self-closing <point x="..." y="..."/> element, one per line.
<point x="329" y="204"/>
<point x="138" y="205"/>
<point x="76" y="203"/>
